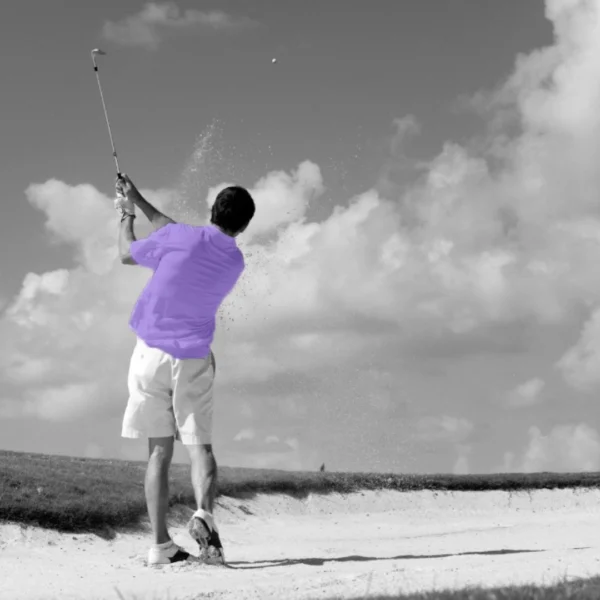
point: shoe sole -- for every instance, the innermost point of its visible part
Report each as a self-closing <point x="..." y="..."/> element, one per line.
<point x="199" y="531"/>
<point x="209" y="554"/>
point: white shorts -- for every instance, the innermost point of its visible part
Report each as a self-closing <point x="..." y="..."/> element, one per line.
<point x="169" y="396"/>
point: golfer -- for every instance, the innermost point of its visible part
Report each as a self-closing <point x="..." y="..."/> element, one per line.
<point x="172" y="369"/>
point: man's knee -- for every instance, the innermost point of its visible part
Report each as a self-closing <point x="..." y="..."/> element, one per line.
<point x="205" y="448"/>
<point x="160" y="450"/>
<point x="203" y="451"/>
<point x="202" y="454"/>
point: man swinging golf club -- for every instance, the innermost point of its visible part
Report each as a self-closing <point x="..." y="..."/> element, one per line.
<point x="172" y="368"/>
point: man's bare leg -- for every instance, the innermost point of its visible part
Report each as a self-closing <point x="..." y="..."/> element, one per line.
<point x="202" y="526"/>
<point x="157" y="486"/>
<point x="204" y="475"/>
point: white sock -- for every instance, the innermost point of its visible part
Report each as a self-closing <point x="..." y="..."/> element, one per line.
<point x="164" y="546"/>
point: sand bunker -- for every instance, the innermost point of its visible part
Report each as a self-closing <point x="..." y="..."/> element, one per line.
<point x="326" y="545"/>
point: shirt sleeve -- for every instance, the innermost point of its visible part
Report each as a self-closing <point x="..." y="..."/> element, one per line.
<point x="148" y="251"/>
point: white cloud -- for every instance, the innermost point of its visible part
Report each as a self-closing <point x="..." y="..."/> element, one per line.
<point x="244" y="434"/>
<point x="266" y="451"/>
<point x="580" y="365"/>
<point x="406" y="127"/>
<point x="526" y="394"/>
<point x="148" y="27"/>
<point x="567" y="448"/>
<point x="283" y="198"/>
<point x="443" y="429"/>
<point x="292" y="443"/>
<point x="462" y="466"/>
<point x="54" y="403"/>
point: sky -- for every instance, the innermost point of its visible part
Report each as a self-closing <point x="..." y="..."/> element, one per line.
<point x="422" y="290"/>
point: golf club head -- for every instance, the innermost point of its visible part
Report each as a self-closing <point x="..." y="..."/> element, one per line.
<point x="97" y="52"/>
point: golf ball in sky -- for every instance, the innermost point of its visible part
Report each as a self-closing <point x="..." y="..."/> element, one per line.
<point x="273" y="60"/>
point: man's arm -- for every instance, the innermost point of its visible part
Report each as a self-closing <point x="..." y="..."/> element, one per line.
<point x="156" y="218"/>
<point x="126" y="236"/>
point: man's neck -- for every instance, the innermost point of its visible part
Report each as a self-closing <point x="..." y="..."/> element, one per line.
<point x="227" y="233"/>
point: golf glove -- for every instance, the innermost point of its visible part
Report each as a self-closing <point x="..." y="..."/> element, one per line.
<point x="124" y="206"/>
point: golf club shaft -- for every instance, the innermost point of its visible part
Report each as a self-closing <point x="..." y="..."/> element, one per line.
<point x="106" y="117"/>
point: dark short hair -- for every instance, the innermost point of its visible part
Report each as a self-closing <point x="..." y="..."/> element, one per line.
<point x="233" y="209"/>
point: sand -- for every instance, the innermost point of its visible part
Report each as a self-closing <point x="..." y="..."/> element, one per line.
<point x="365" y="543"/>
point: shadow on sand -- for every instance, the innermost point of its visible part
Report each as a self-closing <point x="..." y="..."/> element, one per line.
<point x="318" y="562"/>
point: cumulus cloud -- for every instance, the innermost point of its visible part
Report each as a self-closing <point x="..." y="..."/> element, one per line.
<point x="283" y="198"/>
<point x="443" y="429"/>
<point x="567" y="448"/>
<point x="244" y="434"/>
<point x="580" y="364"/>
<point x="148" y="27"/>
<point x="501" y="231"/>
<point x="264" y="452"/>
<point x="526" y="394"/>
<point x="462" y="466"/>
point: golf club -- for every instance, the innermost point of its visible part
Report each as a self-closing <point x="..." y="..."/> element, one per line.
<point x="98" y="52"/>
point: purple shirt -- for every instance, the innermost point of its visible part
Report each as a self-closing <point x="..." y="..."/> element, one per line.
<point x="195" y="268"/>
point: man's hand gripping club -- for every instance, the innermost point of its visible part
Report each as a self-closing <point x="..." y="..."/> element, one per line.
<point x="129" y="197"/>
<point x="123" y="202"/>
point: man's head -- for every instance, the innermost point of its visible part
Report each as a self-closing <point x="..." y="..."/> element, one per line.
<point x="233" y="210"/>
